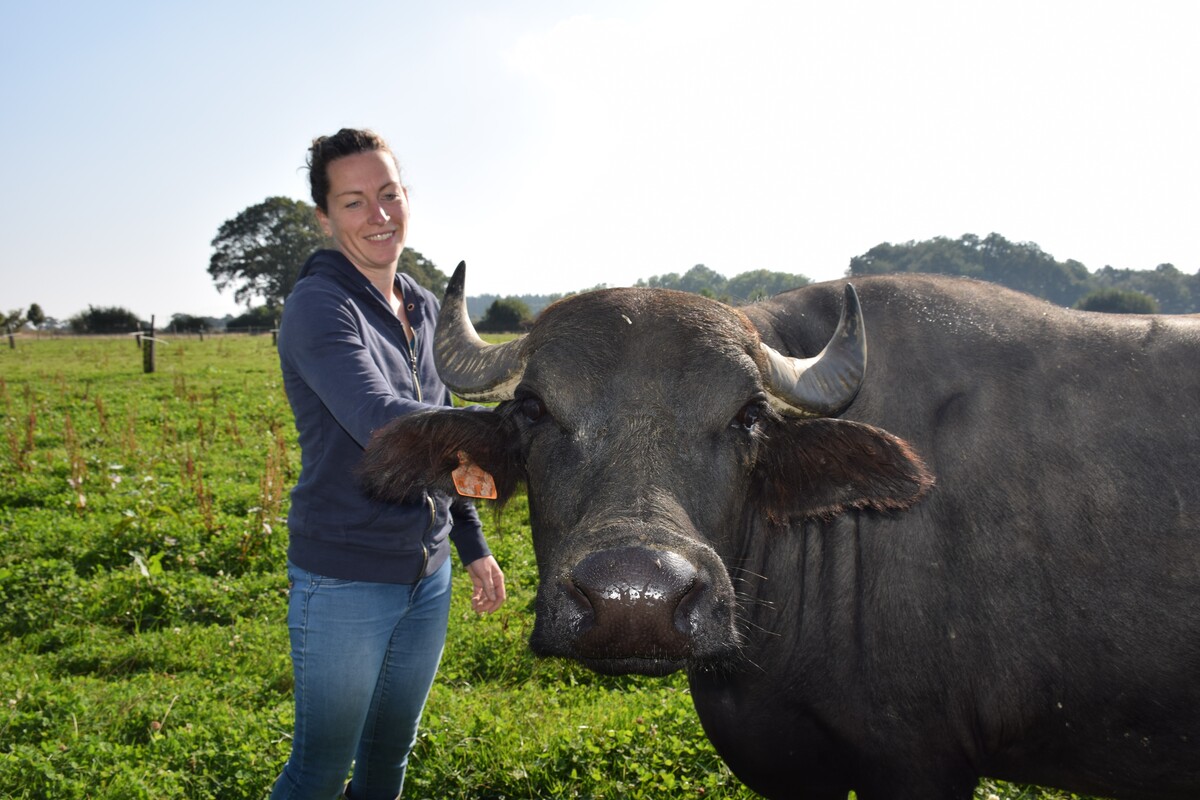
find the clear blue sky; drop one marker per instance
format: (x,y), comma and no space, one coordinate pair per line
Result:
(560,144)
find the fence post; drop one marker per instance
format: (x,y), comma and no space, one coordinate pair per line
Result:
(148,362)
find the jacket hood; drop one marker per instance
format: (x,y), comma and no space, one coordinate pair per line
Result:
(334,264)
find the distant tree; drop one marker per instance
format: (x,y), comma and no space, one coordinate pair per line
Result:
(506,315)
(260,251)
(700,277)
(13,319)
(1175,292)
(760,283)
(1118,301)
(695,280)
(113,319)
(1018,265)
(35,315)
(185,323)
(478,305)
(744,287)
(1027,268)
(668,281)
(259,318)
(423,271)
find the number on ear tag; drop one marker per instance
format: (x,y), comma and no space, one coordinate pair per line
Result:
(472,480)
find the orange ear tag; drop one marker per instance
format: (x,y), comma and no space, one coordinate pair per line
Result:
(472,480)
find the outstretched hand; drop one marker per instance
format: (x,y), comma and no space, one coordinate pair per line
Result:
(487,581)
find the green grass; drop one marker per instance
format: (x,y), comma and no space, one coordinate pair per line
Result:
(143,598)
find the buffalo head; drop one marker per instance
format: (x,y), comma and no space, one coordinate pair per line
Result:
(654,431)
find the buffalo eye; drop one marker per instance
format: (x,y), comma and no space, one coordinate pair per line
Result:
(748,417)
(532,408)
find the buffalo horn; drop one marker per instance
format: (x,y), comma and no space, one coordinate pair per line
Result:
(469,366)
(825,384)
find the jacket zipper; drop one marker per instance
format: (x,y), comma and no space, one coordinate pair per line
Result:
(425,547)
(412,363)
(412,360)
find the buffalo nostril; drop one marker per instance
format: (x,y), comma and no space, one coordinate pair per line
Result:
(577,607)
(684,622)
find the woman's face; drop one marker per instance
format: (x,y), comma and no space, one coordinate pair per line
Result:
(368,210)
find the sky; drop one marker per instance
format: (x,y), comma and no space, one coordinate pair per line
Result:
(558,145)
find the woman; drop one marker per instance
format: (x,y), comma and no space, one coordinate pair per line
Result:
(369,599)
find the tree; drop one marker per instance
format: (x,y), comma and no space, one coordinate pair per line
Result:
(112,319)
(260,251)
(186,323)
(700,277)
(477,305)
(259,318)
(1018,265)
(695,280)
(744,287)
(1118,301)
(35,315)
(506,315)
(13,320)
(423,271)
(1025,267)
(760,283)
(1171,288)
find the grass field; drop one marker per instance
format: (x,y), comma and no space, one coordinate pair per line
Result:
(142,606)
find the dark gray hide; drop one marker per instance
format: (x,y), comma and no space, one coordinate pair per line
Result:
(1034,616)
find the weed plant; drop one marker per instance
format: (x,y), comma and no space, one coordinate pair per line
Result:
(143,601)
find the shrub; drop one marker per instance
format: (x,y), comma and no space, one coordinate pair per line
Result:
(112,319)
(1118,301)
(506,315)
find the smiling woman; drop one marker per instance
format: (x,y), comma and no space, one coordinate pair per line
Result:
(370,581)
(366,214)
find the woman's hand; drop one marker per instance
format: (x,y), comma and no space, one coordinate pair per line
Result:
(488,582)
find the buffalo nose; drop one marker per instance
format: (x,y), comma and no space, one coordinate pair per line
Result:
(634,603)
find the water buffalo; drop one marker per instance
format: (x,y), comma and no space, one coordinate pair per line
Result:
(980,555)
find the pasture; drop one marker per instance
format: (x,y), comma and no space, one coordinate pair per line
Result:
(142,606)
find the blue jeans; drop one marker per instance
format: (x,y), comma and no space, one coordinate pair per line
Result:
(364,656)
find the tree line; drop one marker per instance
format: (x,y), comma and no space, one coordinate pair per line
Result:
(1027,268)
(501,314)
(259,252)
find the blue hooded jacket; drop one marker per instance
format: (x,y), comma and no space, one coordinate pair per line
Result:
(348,371)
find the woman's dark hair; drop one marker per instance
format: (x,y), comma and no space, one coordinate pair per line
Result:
(326,149)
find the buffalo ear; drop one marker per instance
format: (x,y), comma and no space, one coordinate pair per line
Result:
(819,468)
(417,453)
